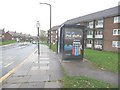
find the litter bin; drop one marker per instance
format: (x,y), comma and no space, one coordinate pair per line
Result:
(70,42)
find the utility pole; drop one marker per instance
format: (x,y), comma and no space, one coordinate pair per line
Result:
(50,19)
(38,26)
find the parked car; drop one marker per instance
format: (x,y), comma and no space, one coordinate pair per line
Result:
(34,42)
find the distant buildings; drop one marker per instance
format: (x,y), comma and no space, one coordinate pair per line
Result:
(13,35)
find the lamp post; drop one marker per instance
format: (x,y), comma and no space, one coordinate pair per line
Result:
(50,20)
(38,26)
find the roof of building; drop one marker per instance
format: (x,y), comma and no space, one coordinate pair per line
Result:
(94,16)
(54,28)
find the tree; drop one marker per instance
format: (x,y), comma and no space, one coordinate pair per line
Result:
(43,37)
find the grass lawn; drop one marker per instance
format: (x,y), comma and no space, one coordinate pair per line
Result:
(103,60)
(7,42)
(83,82)
(100,59)
(53,46)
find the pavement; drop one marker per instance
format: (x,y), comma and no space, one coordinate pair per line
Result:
(45,71)
(42,71)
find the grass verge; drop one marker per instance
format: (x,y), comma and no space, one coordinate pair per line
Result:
(7,42)
(53,46)
(80,81)
(103,60)
(83,82)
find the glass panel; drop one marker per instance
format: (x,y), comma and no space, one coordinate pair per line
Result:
(118,43)
(100,22)
(113,44)
(117,19)
(118,31)
(114,32)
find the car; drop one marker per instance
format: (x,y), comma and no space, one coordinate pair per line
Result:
(34,42)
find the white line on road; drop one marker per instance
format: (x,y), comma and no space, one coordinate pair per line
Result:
(11,71)
(11,57)
(9,64)
(44,58)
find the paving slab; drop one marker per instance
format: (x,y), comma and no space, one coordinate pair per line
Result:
(17,79)
(16,85)
(38,78)
(38,72)
(55,76)
(33,85)
(54,84)
(46,67)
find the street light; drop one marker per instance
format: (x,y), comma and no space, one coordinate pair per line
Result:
(50,20)
(38,26)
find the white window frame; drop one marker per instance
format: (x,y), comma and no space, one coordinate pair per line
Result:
(99,22)
(116,33)
(89,41)
(116,44)
(98,32)
(117,19)
(98,42)
(89,32)
(90,24)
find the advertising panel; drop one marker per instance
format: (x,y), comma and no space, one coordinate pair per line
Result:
(72,42)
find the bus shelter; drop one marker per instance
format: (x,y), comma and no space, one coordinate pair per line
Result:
(70,42)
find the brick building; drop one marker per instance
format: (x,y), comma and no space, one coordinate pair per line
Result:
(7,36)
(103,29)
(53,34)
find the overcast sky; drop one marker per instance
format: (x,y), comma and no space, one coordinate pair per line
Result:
(21,15)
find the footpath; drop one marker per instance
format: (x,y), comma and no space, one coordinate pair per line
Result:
(42,71)
(45,71)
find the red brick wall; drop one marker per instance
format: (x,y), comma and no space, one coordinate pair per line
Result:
(109,25)
(7,36)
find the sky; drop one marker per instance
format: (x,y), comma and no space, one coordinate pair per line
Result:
(22,15)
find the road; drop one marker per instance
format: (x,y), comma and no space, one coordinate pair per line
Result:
(13,55)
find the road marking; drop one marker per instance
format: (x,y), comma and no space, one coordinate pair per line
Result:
(9,64)
(13,70)
(44,58)
(11,57)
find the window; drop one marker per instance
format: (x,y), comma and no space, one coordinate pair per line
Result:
(90,32)
(98,42)
(116,44)
(99,23)
(90,24)
(117,19)
(98,32)
(89,41)
(116,31)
